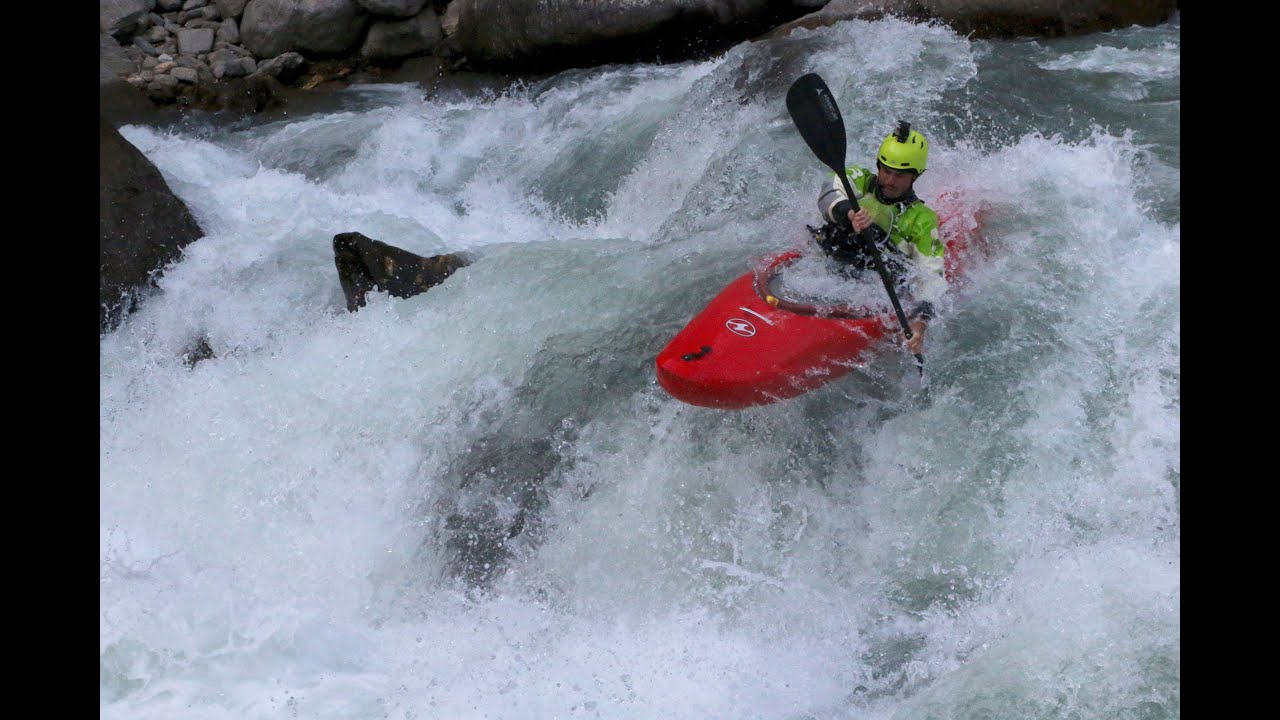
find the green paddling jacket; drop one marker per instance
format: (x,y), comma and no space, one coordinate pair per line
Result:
(911,225)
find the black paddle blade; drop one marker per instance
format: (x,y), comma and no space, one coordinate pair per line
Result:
(814,111)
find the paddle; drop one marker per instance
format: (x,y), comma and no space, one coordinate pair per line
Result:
(813,110)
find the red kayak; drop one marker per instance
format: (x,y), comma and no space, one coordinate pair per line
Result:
(749,347)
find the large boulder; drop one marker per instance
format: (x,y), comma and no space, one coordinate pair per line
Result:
(503,34)
(396,40)
(143,226)
(515,33)
(230,8)
(121,17)
(324,28)
(998,18)
(393,8)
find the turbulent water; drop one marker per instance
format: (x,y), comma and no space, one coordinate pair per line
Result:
(478,503)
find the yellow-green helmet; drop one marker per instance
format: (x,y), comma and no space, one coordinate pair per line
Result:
(904,149)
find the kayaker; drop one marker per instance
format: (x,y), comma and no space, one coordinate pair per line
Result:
(888,208)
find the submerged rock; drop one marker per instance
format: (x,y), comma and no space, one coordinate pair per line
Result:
(365,264)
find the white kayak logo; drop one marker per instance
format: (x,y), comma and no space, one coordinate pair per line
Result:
(738,326)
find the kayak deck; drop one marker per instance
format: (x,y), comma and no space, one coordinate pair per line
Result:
(744,350)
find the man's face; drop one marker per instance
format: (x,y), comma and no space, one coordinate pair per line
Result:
(893,183)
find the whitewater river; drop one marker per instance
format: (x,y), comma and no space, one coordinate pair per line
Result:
(478,502)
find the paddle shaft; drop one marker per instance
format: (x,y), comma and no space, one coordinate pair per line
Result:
(879,261)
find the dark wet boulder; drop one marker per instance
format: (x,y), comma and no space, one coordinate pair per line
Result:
(143,226)
(365,265)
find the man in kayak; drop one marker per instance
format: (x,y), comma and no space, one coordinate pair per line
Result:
(889,214)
